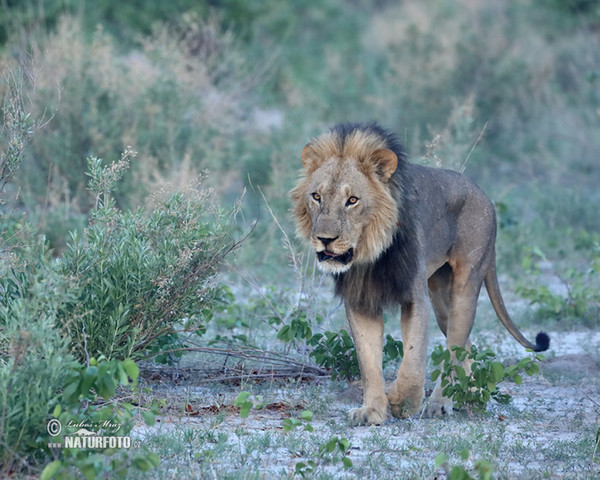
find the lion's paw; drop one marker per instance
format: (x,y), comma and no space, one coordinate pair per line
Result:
(438,407)
(367,416)
(405,402)
(404,409)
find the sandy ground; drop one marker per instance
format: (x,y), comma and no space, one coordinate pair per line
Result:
(547,431)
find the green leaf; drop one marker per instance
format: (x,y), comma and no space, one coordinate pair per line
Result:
(347,462)
(122,374)
(460,372)
(71,392)
(106,387)
(132,369)
(307,415)
(153,459)
(50,470)
(497,372)
(241,398)
(149,417)
(440,459)
(89,377)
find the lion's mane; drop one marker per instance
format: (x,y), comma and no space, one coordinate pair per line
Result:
(390,237)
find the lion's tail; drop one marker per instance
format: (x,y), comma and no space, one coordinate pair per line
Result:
(542,340)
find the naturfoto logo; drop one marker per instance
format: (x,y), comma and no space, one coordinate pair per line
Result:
(83,437)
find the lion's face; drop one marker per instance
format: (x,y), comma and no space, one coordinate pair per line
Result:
(343,205)
(339,204)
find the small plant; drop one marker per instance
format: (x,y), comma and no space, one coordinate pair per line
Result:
(245,403)
(474,391)
(596,446)
(326,453)
(304,421)
(483,468)
(582,300)
(335,350)
(79,407)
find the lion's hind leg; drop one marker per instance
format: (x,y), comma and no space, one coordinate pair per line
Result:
(454,307)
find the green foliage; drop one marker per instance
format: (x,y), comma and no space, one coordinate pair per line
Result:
(138,278)
(597,443)
(333,450)
(244,404)
(476,389)
(16,132)
(483,468)
(79,407)
(334,351)
(33,362)
(582,299)
(326,453)
(292,423)
(297,329)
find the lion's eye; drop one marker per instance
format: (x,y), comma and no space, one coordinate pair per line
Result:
(316,197)
(352,201)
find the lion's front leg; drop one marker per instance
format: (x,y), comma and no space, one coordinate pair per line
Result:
(407,392)
(367,332)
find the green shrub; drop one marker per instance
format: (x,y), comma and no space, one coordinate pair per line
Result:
(33,362)
(474,391)
(137,277)
(334,350)
(84,386)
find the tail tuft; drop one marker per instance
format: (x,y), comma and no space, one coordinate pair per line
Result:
(542,342)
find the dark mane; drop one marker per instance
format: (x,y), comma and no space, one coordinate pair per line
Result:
(370,289)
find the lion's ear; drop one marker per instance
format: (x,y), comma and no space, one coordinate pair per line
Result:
(310,159)
(386,161)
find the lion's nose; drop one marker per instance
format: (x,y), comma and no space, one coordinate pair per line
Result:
(326,241)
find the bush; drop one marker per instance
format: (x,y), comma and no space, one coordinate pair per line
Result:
(33,362)
(79,407)
(180,97)
(137,278)
(476,389)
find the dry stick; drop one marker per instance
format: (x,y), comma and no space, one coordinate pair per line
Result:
(249,353)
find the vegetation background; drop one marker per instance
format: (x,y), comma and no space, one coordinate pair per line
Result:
(229,91)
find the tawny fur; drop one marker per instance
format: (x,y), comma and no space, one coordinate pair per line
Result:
(393,234)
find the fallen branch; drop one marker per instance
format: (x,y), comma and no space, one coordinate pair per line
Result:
(250,363)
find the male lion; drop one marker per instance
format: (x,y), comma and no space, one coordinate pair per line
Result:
(392,234)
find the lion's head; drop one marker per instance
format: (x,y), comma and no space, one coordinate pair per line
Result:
(345,203)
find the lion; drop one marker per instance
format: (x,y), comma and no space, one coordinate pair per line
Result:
(395,234)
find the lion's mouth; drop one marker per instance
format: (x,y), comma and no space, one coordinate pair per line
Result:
(344,258)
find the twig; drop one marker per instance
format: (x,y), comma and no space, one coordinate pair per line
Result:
(464,165)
